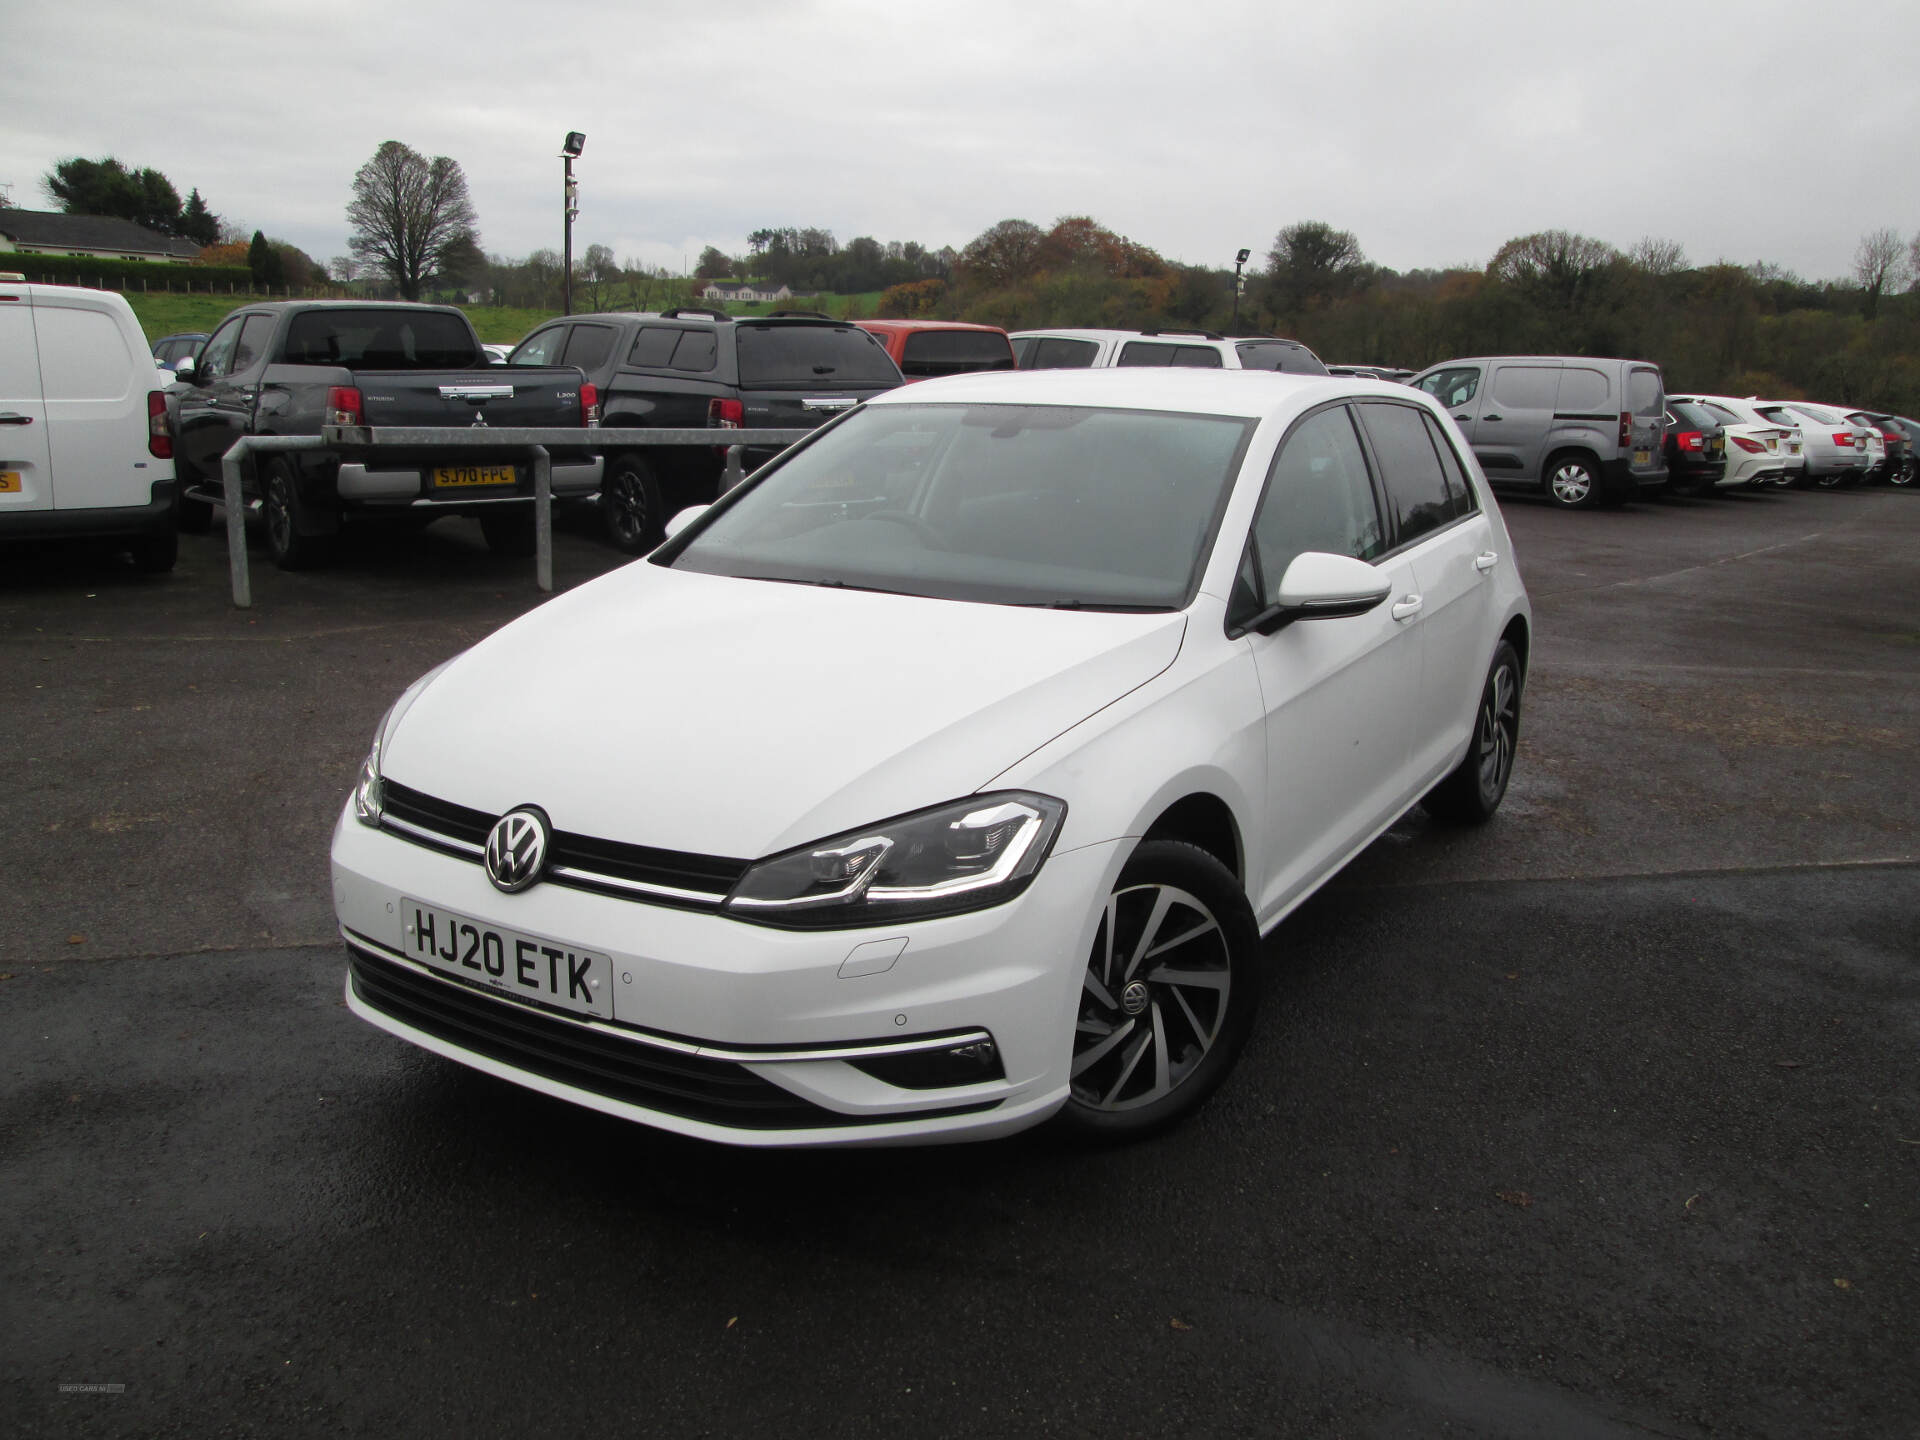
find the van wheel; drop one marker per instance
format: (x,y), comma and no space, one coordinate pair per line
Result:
(1573,482)
(1475,787)
(155,554)
(1168,994)
(285,517)
(509,531)
(631,506)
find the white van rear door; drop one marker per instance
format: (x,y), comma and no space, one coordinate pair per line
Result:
(26,479)
(96,399)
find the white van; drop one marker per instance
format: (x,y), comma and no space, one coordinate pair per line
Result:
(84,446)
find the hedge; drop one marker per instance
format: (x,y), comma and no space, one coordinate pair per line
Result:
(127,274)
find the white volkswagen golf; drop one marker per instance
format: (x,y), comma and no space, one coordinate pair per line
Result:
(945,776)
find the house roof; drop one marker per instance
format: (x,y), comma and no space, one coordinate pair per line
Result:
(89,232)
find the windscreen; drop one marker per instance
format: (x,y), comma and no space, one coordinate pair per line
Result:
(382,340)
(954,352)
(1278,355)
(1074,507)
(811,355)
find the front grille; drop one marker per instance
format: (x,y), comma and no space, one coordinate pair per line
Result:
(584,862)
(693,1087)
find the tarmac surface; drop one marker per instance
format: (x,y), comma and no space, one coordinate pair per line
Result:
(1601,1121)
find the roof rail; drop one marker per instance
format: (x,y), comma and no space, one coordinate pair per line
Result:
(680,310)
(1197,334)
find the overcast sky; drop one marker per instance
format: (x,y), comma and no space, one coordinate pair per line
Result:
(1746,130)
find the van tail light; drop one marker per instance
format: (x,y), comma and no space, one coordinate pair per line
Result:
(1752,447)
(159,438)
(1843,438)
(1626,427)
(726,414)
(344,407)
(1691,440)
(589,404)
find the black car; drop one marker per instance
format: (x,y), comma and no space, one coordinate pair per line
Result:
(1696,448)
(1901,435)
(694,368)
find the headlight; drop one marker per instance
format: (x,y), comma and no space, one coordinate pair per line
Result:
(966,855)
(366,790)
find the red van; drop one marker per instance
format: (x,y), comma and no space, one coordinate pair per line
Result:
(925,348)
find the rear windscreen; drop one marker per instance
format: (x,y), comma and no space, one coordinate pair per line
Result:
(811,355)
(1271,355)
(382,340)
(1697,417)
(954,352)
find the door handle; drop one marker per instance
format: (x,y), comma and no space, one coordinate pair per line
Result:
(1407,607)
(1463,418)
(1489,417)
(1485,561)
(13,417)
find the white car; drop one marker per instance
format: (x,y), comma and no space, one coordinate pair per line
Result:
(1759,451)
(1159,349)
(84,446)
(944,776)
(1836,448)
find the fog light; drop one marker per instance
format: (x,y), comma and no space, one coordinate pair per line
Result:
(937,1068)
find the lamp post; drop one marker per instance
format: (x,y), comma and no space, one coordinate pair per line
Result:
(1239,286)
(570,150)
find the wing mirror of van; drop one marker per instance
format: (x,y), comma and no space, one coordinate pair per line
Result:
(1318,586)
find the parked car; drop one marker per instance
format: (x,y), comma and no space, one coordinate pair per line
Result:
(170,350)
(84,445)
(1884,443)
(292,367)
(694,368)
(1696,449)
(1759,451)
(1908,460)
(1585,431)
(1372,372)
(1836,448)
(1197,349)
(924,349)
(1008,713)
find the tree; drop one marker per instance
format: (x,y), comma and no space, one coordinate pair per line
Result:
(1880,264)
(343,270)
(714,265)
(264,261)
(197,223)
(106,187)
(1002,255)
(1658,257)
(1312,263)
(408,214)
(595,275)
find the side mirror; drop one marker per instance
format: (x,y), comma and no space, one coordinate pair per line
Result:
(183,367)
(1318,586)
(686,517)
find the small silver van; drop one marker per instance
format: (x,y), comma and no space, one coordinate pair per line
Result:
(1586,431)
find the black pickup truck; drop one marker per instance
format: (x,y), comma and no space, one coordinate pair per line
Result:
(692,368)
(289,367)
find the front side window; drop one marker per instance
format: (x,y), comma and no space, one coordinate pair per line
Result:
(1069,506)
(1318,497)
(217,359)
(1453,388)
(1410,470)
(540,348)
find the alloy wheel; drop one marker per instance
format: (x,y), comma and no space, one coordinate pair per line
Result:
(1498,732)
(1154,998)
(628,517)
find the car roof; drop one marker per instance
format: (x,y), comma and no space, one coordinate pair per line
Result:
(1254,394)
(907,327)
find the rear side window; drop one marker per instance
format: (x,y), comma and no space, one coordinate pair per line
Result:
(590,346)
(811,355)
(1458,490)
(1318,498)
(254,337)
(1138,352)
(1277,355)
(1525,387)
(1693,417)
(697,351)
(1584,390)
(383,340)
(1453,388)
(83,356)
(1409,468)
(954,352)
(653,346)
(1051,352)
(1722,414)
(1646,393)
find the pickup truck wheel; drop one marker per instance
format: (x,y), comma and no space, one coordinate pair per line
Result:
(285,516)
(631,504)
(509,531)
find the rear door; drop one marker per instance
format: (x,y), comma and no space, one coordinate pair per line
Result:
(26,470)
(95,378)
(1647,402)
(1510,433)
(798,374)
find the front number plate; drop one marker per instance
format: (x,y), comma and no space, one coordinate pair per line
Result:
(525,967)
(468,477)
(9,482)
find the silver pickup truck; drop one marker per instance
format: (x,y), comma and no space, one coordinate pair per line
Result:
(290,367)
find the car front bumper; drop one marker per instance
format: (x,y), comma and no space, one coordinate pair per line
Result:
(707,1009)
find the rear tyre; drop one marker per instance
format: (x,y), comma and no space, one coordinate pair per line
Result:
(631,506)
(1167,996)
(155,554)
(1474,789)
(1903,475)
(509,531)
(287,520)
(1573,481)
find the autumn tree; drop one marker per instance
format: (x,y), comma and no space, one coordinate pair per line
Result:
(409,214)
(1880,264)
(1002,255)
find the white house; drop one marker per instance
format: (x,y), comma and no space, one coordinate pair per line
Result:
(743,290)
(47,232)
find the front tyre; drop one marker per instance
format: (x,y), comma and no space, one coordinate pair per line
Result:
(1473,790)
(631,505)
(1573,482)
(1168,994)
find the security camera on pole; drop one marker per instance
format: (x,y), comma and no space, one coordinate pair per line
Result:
(569,151)
(1239,287)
